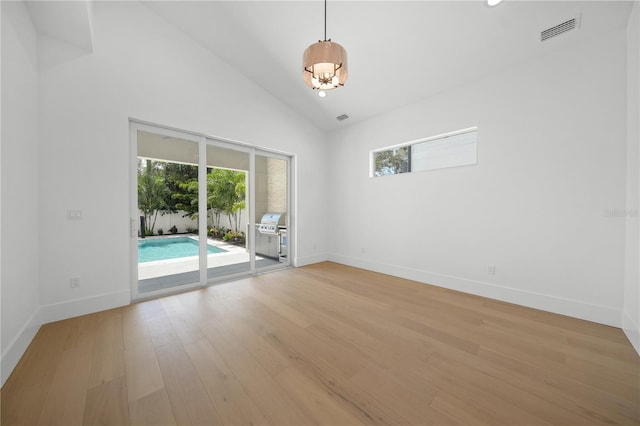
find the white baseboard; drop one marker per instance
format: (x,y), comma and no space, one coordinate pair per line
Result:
(308,260)
(56,312)
(573,308)
(87,305)
(632,330)
(19,345)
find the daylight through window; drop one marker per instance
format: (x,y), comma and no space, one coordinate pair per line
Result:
(450,150)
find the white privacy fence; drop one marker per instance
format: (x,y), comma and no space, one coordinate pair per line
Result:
(182,223)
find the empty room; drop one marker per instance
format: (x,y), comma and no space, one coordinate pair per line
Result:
(320,212)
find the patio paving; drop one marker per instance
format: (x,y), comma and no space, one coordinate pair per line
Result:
(169,273)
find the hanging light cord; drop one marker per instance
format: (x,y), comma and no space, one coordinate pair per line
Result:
(325,20)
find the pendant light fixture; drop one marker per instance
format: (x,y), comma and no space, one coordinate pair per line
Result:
(324,63)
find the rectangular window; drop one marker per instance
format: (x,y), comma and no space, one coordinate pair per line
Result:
(438,152)
(392,161)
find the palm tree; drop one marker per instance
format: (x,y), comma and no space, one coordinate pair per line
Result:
(226,191)
(152,193)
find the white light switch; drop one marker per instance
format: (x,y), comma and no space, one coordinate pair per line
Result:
(74,214)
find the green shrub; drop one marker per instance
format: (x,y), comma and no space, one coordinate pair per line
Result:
(234,237)
(173,229)
(160,231)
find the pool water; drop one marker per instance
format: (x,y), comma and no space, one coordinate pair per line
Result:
(171,248)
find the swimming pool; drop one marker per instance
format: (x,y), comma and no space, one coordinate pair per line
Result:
(171,248)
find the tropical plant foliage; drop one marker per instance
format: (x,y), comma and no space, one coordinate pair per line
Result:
(169,188)
(226,191)
(392,161)
(152,193)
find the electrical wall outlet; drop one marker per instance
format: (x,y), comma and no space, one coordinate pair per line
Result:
(491,269)
(74,282)
(74,214)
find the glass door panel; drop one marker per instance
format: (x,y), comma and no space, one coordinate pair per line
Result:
(204,210)
(228,209)
(271,205)
(167,205)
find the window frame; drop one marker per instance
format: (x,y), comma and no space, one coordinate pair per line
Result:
(372,153)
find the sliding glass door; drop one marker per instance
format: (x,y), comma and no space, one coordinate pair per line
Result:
(167,193)
(200,208)
(271,201)
(227,191)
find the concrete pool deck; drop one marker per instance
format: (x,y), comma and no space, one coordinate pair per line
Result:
(159,268)
(162,274)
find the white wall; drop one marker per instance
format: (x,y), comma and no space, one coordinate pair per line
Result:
(142,68)
(631,315)
(551,162)
(19,259)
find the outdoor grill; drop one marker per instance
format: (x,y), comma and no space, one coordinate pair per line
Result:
(271,223)
(271,238)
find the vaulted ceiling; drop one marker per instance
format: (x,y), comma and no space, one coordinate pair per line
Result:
(399,51)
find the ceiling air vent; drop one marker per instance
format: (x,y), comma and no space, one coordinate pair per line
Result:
(559,29)
(342,117)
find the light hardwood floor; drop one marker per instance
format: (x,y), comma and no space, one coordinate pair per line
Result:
(324,344)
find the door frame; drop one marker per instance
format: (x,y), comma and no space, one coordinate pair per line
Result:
(203,141)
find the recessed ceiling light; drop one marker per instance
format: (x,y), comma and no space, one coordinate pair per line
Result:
(493,2)
(322,93)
